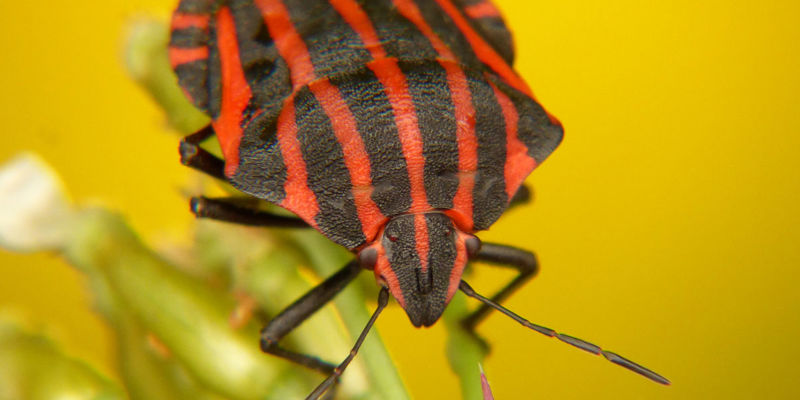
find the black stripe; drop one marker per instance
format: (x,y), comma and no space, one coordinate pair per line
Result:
(493,29)
(489,194)
(427,84)
(497,34)
(328,176)
(214,72)
(197,6)
(192,77)
(188,37)
(449,33)
(266,73)
(441,255)
(464,3)
(402,252)
(333,46)
(399,37)
(261,172)
(256,48)
(367,100)
(404,260)
(534,128)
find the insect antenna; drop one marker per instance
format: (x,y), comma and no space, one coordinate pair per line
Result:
(383,299)
(579,343)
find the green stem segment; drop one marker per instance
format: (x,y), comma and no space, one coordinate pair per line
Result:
(464,351)
(188,317)
(32,367)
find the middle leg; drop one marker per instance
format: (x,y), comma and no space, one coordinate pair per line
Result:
(194,156)
(225,210)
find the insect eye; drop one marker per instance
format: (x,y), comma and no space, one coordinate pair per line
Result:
(392,238)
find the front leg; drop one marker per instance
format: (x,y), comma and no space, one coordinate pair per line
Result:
(294,315)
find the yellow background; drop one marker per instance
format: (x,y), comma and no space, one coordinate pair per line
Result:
(666,223)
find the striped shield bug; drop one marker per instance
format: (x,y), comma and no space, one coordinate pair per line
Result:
(396,128)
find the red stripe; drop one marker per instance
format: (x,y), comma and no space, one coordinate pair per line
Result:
(385,275)
(482,10)
(483,50)
(518,163)
(184,21)
(405,115)
(411,12)
(236,93)
(289,43)
(183,55)
(360,23)
(421,240)
(467,145)
(299,198)
(458,265)
(464,114)
(355,154)
(394,82)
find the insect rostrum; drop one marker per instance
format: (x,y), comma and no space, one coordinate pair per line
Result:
(396,128)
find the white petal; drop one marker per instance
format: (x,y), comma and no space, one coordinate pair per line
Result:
(34,209)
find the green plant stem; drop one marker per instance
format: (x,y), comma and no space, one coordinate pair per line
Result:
(33,368)
(190,318)
(148,375)
(464,351)
(147,63)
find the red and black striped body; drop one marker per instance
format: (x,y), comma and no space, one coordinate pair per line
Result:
(395,127)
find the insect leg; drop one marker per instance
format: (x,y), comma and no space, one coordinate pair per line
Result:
(194,156)
(299,311)
(222,210)
(524,261)
(523,196)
